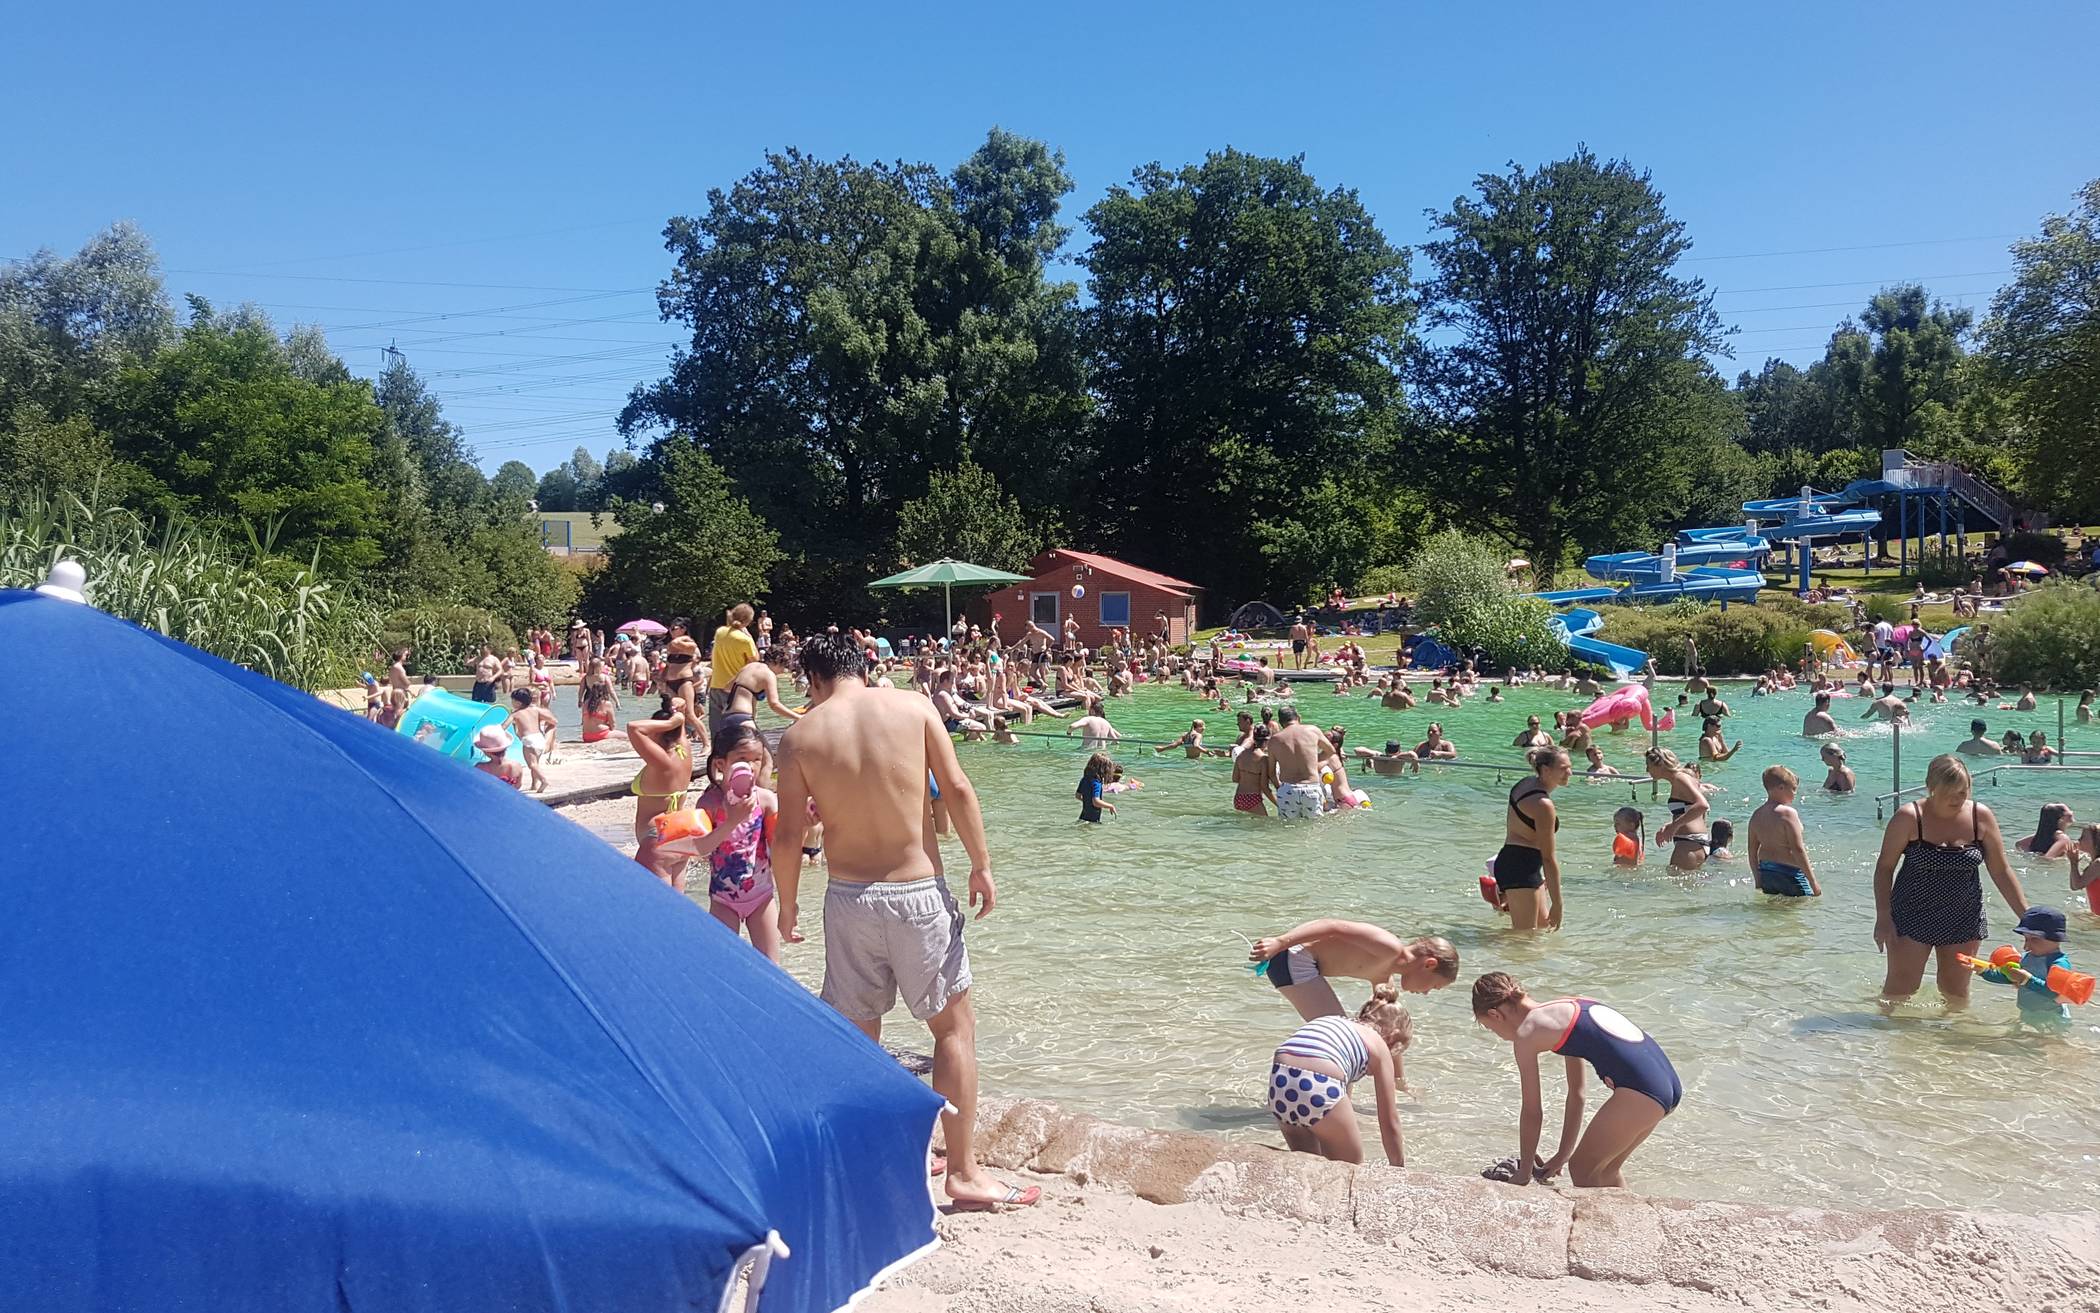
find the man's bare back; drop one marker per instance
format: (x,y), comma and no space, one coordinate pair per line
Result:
(1297,749)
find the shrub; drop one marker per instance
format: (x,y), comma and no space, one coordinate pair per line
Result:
(1936,569)
(1739,641)
(1462,589)
(272,615)
(2051,639)
(447,639)
(1382,579)
(1881,606)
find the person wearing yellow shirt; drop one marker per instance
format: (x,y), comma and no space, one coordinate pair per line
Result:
(734,649)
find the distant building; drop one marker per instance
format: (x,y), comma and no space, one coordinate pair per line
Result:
(576,533)
(1117,595)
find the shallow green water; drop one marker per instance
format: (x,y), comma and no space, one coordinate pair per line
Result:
(1112,977)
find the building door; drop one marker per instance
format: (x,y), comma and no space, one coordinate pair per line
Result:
(1042,609)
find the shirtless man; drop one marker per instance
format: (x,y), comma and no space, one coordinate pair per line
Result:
(1889,707)
(1299,750)
(861,756)
(1819,721)
(1778,850)
(1394,761)
(1303,959)
(1979,743)
(1399,697)
(485,671)
(1301,633)
(1094,726)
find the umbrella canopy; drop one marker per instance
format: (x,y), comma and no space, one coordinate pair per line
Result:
(946,573)
(642,627)
(377,1033)
(2026,567)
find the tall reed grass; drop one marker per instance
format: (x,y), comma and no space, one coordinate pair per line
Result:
(239,602)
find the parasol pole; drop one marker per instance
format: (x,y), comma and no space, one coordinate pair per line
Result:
(948,606)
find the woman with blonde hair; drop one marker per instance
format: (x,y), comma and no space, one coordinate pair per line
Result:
(1928,887)
(1687,830)
(1309,1079)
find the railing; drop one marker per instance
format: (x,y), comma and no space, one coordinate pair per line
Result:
(1945,474)
(1990,773)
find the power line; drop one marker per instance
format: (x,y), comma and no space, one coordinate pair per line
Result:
(1870,246)
(1860,282)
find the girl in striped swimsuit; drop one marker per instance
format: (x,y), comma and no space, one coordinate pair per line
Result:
(1313,1070)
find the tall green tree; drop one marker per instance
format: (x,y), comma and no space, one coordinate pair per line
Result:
(224,431)
(967,515)
(1899,365)
(1786,408)
(704,551)
(855,327)
(2042,341)
(452,483)
(1245,330)
(68,325)
(513,484)
(1560,413)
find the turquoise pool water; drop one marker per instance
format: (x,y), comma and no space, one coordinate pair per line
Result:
(1112,977)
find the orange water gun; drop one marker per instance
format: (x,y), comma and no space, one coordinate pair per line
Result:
(2071,986)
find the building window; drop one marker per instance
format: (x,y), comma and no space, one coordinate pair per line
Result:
(1042,609)
(1115,609)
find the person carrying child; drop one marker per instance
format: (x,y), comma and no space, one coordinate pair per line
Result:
(1093,782)
(1778,849)
(1311,1073)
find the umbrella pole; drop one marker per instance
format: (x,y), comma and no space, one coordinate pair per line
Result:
(948,605)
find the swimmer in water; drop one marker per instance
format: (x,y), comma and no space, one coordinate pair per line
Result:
(1819,721)
(1711,741)
(1841,779)
(1778,848)
(1629,838)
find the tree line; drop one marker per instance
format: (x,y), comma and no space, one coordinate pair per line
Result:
(1260,392)
(1255,389)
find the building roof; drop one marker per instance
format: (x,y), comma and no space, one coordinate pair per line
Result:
(1125,570)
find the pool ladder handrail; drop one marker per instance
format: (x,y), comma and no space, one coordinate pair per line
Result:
(1990,773)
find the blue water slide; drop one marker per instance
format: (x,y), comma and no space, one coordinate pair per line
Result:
(1576,626)
(1830,524)
(1705,583)
(1569,596)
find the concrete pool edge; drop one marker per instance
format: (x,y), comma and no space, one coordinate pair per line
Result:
(1788,1256)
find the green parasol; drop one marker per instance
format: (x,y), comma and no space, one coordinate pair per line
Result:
(947,573)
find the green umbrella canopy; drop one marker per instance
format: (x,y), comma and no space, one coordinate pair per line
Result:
(947,571)
(945,574)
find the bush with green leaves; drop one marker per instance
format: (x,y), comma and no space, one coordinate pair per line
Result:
(1463,590)
(1382,579)
(2043,548)
(1742,640)
(1881,606)
(270,614)
(446,638)
(2050,639)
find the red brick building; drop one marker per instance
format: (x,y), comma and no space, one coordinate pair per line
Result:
(1118,596)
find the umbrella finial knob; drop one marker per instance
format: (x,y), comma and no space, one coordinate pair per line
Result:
(65,582)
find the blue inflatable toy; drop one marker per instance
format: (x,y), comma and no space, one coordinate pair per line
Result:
(449,722)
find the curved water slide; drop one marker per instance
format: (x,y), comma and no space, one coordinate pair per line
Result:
(1808,517)
(1575,627)
(1686,568)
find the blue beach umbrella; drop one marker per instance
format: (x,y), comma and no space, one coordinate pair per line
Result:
(297,1014)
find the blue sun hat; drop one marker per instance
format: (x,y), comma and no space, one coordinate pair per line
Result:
(2045,922)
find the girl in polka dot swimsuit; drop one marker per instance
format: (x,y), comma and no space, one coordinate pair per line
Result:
(1315,1067)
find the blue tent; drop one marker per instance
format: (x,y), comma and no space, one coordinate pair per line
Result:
(297,1014)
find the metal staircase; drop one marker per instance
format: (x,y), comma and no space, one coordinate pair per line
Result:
(1901,469)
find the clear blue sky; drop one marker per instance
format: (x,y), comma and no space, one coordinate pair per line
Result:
(354,166)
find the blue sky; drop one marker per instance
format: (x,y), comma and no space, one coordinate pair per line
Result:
(509,168)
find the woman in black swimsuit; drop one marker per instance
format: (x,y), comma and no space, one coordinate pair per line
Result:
(1528,862)
(1928,890)
(1686,831)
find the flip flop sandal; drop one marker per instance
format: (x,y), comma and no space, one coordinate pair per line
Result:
(1015,1197)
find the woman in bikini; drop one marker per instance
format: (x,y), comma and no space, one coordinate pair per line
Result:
(1528,861)
(599,698)
(666,774)
(1928,886)
(1644,1086)
(1686,832)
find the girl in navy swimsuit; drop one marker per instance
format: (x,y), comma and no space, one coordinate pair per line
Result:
(1644,1086)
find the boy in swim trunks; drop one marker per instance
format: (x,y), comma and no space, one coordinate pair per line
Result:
(1302,960)
(1778,848)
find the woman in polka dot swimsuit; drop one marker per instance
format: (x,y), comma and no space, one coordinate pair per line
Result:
(1315,1067)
